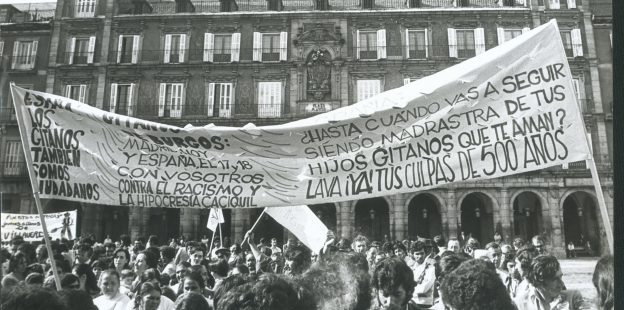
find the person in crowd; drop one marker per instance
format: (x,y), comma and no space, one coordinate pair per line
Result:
(454,246)
(269,292)
(274,247)
(41,254)
(546,289)
(498,238)
(194,282)
(371,254)
(393,285)
(152,241)
(125,241)
(236,256)
(219,271)
(471,245)
(127,277)
(17,270)
(84,252)
(276,264)
(523,259)
(30,297)
(137,247)
(400,251)
(111,298)
(153,275)
(424,276)
(360,244)
(197,254)
(109,251)
(227,285)
(507,251)
(97,267)
(539,244)
(440,242)
(603,280)
(34,278)
(494,253)
(387,249)
(181,270)
(518,243)
(68,281)
(474,285)
(167,254)
(149,297)
(297,260)
(121,258)
(238,269)
(144,260)
(191,301)
(88,281)
(570,253)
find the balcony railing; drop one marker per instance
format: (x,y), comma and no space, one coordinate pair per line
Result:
(81,58)
(23,62)
(29,15)
(13,169)
(82,9)
(148,110)
(7,115)
(215,6)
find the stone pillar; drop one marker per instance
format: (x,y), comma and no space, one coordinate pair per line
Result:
(505,207)
(89,221)
(452,214)
(145,219)
(398,216)
(555,214)
(238,225)
(187,225)
(135,216)
(345,219)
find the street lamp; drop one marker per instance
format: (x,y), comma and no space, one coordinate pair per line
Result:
(424,213)
(527,211)
(579,210)
(372,214)
(477,212)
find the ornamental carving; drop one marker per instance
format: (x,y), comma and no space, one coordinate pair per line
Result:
(318,66)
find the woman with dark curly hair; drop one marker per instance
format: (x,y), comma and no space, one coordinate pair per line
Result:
(475,285)
(88,281)
(191,301)
(603,282)
(393,284)
(546,290)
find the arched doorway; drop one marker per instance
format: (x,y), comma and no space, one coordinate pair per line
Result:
(477,218)
(267,228)
(424,218)
(55,205)
(114,222)
(327,214)
(580,222)
(527,215)
(226,228)
(164,223)
(372,219)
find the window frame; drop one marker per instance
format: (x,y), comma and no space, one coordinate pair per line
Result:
(13,158)
(408,42)
(115,105)
(30,55)
(167,105)
(361,95)
(82,92)
(216,99)
(270,109)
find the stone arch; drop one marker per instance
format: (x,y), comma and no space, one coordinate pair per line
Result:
(326,212)
(528,207)
(476,215)
(424,216)
(582,223)
(372,218)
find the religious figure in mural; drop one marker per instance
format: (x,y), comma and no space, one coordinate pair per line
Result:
(319,74)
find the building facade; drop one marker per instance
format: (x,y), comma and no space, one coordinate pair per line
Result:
(232,62)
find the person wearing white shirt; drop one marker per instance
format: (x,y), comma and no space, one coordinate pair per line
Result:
(150,298)
(112,298)
(424,276)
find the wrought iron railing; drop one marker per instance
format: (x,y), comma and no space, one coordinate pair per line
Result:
(149,110)
(13,169)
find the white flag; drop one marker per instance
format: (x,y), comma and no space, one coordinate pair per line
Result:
(214,218)
(303,223)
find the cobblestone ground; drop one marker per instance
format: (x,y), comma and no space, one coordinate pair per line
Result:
(577,275)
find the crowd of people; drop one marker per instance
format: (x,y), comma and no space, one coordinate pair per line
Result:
(345,274)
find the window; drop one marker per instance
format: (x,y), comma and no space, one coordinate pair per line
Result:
(76,92)
(13,158)
(121,99)
(128,49)
(81,50)
(85,8)
(269,99)
(367,89)
(566,37)
(1,48)
(175,46)
(408,80)
(24,55)
(416,42)
(572,42)
(371,44)
(221,47)
(171,100)
(571,4)
(554,4)
(270,46)
(505,35)
(579,92)
(220,99)
(466,43)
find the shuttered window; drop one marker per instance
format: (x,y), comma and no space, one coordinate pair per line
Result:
(171,100)
(220,100)
(269,99)
(13,158)
(367,89)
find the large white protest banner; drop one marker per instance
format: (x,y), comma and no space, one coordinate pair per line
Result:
(28,226)
(509,110)
(302,223)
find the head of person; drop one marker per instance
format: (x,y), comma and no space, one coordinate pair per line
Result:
(41,253)
(471,245)
(84,252)
(506,252)
(523,259)
(191,301)
(538,243)
(193,282)
(18,263)
(88,281)
(97,266)
(393,283)
(121,258)
(400,251)
(453,245)
(498,238)
(197,255)
(475,285)
(145,260)
(109,282)
(127,276)
(167,254)
(603,280)
(493,252)
(203,270)
(296,260)
(238,269)
(70,281)
(148,296)
(344,245)
(153,241)
(449,261)
(360,244)
(545,275)
(235,249)
(34,278)
(151,275)
(273,242)
(439,241)
(124,240)
(181,270)
(518,243)
(387,249)
(269,292)
(250,262)
(418,252)
(219,269)
(227,285)
(109,248)
(223,253)
(31,297)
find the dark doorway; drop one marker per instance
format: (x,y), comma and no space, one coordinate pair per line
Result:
(424,218)
(527,215)
(327,214)
(372,219)
(164,223)
(581,225)
(114,221)
(477,219)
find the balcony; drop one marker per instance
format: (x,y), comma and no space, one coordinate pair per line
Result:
(13,169)
(23,63)
(147,110)
(216,6)
(76,58)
